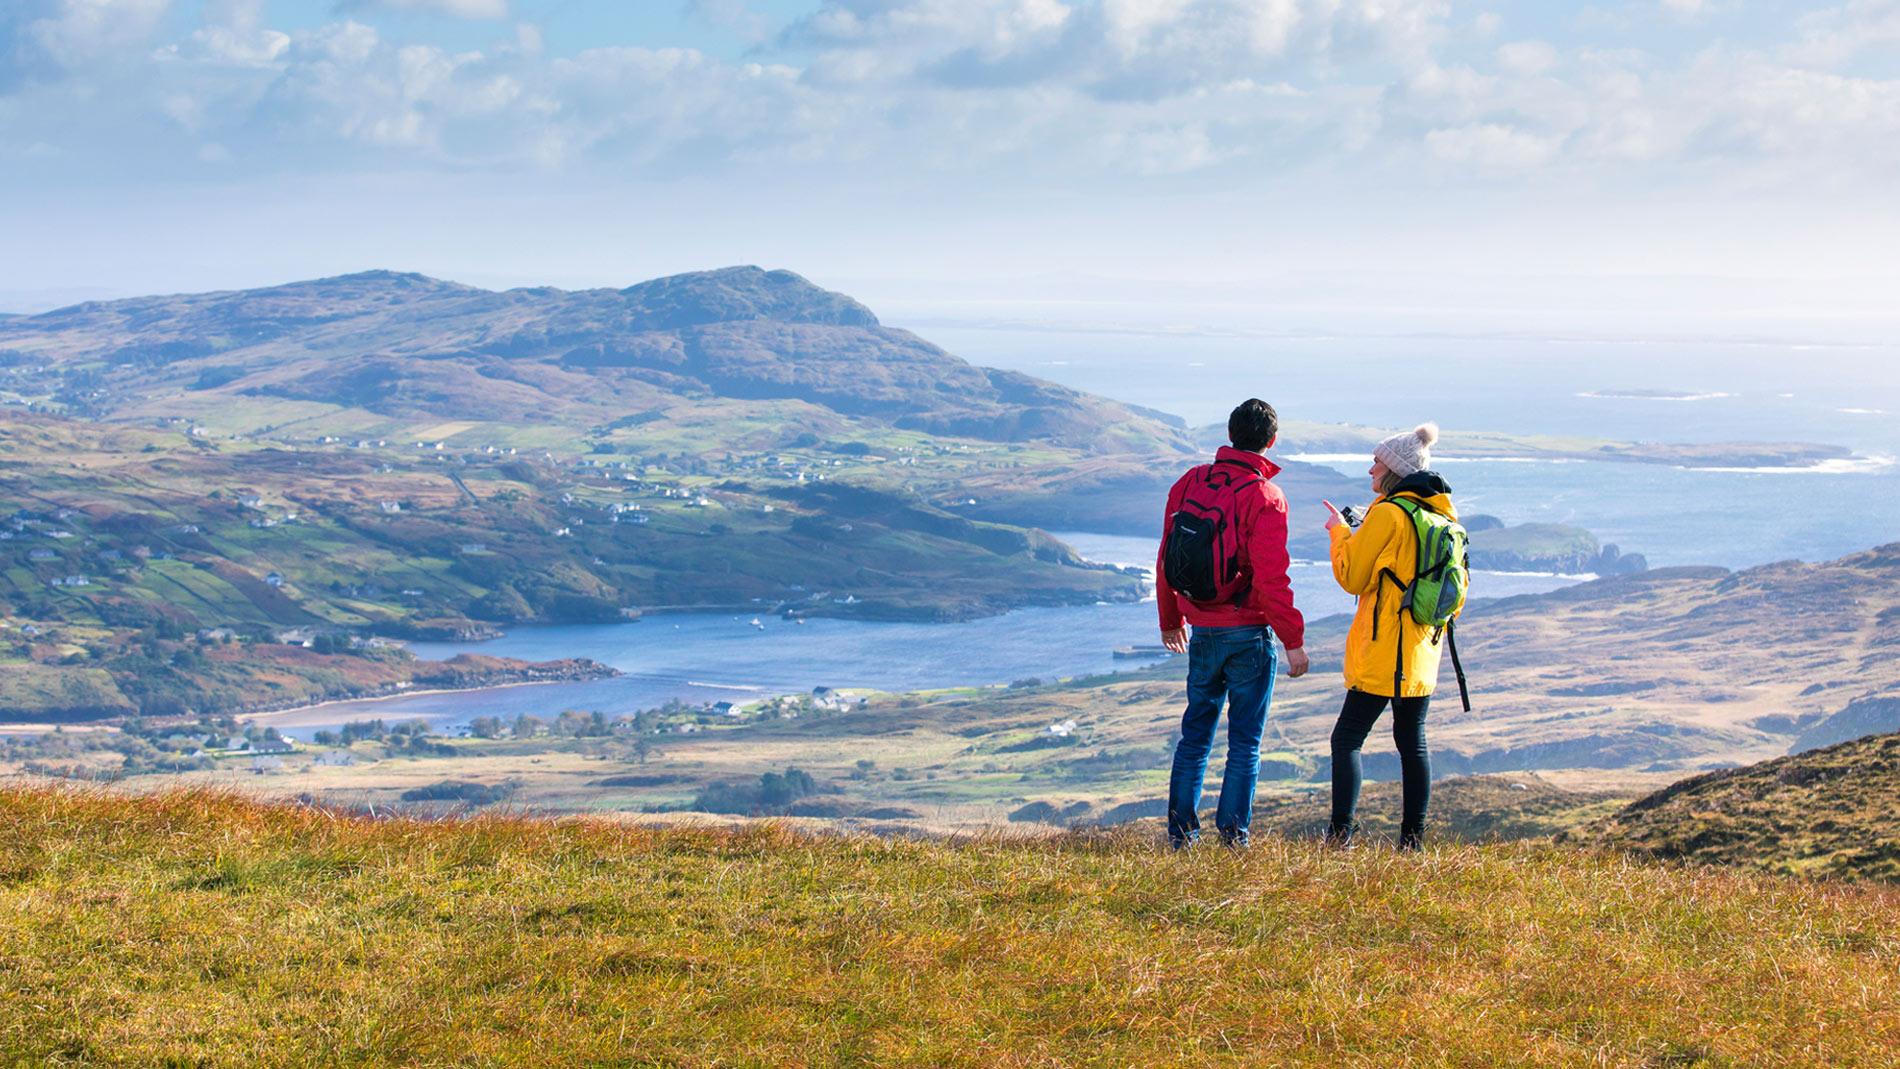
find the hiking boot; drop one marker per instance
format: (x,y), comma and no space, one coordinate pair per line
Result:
(1411,840)
(1341,836)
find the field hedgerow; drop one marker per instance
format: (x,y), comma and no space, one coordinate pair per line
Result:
(196,928)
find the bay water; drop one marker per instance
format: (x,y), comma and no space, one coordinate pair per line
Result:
(1764,390)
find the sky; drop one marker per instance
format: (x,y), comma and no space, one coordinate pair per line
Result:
(1717,168)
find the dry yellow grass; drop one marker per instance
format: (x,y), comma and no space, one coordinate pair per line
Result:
(196,928)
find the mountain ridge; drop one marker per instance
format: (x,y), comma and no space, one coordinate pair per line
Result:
(404,344)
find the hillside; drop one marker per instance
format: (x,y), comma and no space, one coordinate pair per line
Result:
(154,559)
(300,937)
(371,353)
(692,369)
(1824,812)
(1627,683)
(388,455)
(1640,672)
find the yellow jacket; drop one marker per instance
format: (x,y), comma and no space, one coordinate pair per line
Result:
(1387,540)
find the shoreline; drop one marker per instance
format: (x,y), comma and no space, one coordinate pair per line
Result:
(290,717)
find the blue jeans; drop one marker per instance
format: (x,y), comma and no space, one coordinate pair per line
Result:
(1235,665)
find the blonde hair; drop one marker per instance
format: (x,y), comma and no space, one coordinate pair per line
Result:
(1390,482)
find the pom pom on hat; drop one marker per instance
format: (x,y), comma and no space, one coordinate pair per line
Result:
(1427,434)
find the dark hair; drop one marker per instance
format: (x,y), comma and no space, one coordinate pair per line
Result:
(1253,426)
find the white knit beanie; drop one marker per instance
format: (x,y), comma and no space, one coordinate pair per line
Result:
(1408,453)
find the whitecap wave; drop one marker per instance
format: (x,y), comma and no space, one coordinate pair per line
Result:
(1836,466)
(1330,458)
(1361,458)
(1508,460)
(1615,395)
(1861,411)
(724,686)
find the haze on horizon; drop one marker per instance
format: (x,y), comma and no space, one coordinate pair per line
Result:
(1682,168)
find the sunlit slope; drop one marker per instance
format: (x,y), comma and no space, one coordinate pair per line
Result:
(382,353)
(206,930)
(1833,811)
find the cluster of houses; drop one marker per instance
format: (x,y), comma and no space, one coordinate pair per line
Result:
(821,699)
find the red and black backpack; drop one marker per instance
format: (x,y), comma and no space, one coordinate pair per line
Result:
(1202,554)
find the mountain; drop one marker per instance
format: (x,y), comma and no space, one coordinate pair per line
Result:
(391,347)
(389,454)
(1824,812)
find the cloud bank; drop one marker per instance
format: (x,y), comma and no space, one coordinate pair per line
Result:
(1085,90)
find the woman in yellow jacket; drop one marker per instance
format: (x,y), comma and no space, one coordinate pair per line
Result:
(1389,657)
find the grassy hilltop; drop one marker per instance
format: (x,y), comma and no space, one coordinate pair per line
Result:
(1826,812)
(201,929)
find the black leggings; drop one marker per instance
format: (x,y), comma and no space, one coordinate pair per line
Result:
(1415,763)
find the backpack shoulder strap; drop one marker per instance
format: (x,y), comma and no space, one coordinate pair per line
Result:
(1253,475)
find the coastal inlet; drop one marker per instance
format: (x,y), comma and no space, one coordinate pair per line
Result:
(701,658)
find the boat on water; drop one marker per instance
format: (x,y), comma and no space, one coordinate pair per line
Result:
(756,622)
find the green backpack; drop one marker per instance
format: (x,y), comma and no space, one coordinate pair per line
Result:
(1440,583)
(1444,568)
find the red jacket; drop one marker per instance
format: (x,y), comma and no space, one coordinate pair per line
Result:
(1261,516)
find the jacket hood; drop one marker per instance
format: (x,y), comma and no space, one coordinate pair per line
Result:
(1267,468)
(1429,488)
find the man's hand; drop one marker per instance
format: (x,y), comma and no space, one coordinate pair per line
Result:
(1175,640)
(1334,518)
(1296,663)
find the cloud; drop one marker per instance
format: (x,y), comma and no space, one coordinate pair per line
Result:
(1836,35)
(43,40)
(1036,90)
(1119,49)
(734,16)
(233,34)
(1492,146)
(461,9)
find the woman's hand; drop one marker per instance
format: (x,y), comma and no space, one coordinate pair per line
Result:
(1334,518)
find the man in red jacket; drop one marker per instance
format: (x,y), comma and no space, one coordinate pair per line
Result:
(1230,518)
